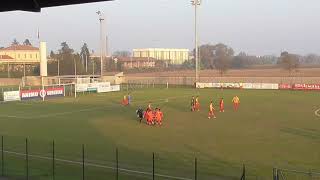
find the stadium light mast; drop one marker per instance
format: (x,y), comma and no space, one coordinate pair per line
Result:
(196,3)
(101,18)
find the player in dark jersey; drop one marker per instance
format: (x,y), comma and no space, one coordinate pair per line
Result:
(193,101)
(140,113)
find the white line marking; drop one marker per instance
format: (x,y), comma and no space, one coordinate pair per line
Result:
(317,112)
(97,165)
(90,109)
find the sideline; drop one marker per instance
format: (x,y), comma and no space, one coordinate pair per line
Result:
(155,101)
(126,170)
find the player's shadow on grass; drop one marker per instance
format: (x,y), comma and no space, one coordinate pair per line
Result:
(306,133)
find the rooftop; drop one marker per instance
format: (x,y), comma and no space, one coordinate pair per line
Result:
(20,48)
(161,49)
(5,57)
(129,59)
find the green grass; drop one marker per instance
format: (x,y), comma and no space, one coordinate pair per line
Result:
(271,129)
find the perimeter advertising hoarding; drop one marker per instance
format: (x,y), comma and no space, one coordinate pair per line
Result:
(93,87)
(41,93)
(306,87)
(239,85)
(11,96)
(285,86)
(219,85)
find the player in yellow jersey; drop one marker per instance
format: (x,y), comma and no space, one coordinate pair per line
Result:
(236,103)
(211,111)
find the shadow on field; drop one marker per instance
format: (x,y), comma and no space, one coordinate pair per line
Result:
(313,134)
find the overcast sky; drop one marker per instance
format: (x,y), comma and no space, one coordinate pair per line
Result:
(254,26)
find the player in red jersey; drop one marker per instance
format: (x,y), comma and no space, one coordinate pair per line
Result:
(197,104)
(211,111)
(236,103)
(159,116)
(221,105)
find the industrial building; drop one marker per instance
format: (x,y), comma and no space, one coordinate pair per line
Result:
(173,56)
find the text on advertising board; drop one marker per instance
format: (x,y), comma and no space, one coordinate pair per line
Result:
(34,94)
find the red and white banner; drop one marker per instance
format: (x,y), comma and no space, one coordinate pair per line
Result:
(285,86)
(39,94)
(306,87)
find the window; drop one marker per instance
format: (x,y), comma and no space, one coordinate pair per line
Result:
(25,56)
(30,55)
(18,55)
(36,56)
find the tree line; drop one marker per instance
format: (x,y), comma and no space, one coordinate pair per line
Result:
(68,62)
(222,57)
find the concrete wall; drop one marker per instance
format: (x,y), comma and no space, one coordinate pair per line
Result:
(10,81)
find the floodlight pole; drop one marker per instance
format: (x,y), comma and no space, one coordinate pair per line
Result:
(196,3)
(101,42)
(86,62)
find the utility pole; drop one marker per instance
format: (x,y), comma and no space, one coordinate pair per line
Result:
(196,3)
(75,67)
(58,67)
(101,18)
(86,62)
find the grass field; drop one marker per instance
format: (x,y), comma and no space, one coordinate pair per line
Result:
(271,129)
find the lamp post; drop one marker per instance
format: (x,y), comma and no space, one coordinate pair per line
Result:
(75,67)
(101,41)
(196,3)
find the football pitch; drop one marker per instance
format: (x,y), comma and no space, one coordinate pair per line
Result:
(271,129)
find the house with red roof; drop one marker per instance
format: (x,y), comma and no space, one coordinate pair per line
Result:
(20,54)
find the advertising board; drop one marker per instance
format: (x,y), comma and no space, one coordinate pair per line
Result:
(93,87)
(306,87)
(41,93)
(115,88)
(285,86)
(82,87)
(11,96)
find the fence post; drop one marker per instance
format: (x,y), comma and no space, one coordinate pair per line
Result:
(27,160)
(117,164)
(82,161)
(53,161)
(2,157)
(243,177)
(195,169)
(152,166)
(276,176)
(310,174)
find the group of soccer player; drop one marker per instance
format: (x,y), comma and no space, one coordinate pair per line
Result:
(195,106)
(152,117)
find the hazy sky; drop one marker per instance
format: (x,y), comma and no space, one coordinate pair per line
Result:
(254,26)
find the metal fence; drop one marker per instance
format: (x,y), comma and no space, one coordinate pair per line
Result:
(30,159)
(287,174)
